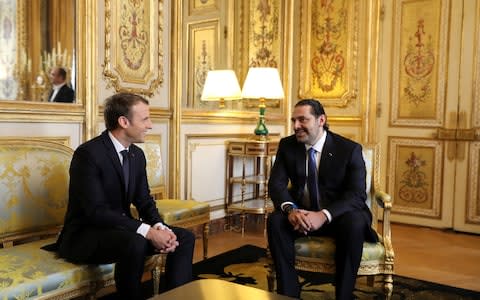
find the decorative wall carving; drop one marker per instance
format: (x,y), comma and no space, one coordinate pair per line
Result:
(417,183)
(133,53)
(329,51)
(419,70)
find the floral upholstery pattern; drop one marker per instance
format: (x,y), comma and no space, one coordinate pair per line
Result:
(173,210)
(27,271)
(153,156)
(33,187)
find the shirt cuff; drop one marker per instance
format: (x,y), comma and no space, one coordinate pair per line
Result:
(327,213)
(282,206)
(161,226)
(143,229)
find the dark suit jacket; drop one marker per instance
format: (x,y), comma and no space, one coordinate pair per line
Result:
(96,194)
(342,174)
(65,94)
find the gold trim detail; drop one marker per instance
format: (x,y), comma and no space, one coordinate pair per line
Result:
(130,61)
(473,205)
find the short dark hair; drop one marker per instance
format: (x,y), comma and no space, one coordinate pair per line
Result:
(119,105)
(62,72)
(316,109)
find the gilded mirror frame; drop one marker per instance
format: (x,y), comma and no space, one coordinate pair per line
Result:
(26,109)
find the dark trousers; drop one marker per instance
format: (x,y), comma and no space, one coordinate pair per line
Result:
(348,232)
(128,251)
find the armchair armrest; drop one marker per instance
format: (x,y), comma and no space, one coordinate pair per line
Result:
(384,200)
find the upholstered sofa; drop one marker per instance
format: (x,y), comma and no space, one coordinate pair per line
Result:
(33,199)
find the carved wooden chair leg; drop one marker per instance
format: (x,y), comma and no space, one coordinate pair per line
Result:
(206,229)
(388,286)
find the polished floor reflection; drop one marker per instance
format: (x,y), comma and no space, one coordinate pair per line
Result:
(434,255)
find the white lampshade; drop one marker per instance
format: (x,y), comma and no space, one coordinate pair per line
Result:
(221,85)
(263,83)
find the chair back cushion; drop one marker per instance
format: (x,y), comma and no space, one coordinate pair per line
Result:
(34,183)
(155,171)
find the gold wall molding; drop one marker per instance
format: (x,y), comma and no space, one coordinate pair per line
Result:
(329,51)
(473,195)
(133,53)
(420,63)
(38,140)
(417,180)
(476,78)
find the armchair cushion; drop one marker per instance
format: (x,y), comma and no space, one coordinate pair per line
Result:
(323,249)
(173,210)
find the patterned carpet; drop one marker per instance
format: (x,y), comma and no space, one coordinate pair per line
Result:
(246,265)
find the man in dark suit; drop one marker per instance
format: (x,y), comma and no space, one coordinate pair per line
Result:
(104,182)
(61,92)
(326,197)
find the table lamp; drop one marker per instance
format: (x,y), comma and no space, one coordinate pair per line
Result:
(262,83)
(221,85)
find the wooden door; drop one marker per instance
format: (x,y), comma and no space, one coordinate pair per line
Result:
(429,111)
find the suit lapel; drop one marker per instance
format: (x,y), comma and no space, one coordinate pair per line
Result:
(300,162)
(326,157)
(113,156)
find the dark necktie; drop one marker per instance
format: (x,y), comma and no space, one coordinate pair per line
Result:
(126,168)
(312,179)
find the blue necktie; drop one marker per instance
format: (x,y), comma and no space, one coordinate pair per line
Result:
(312,180)
(126,168)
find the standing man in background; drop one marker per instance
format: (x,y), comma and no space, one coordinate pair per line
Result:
(317,185)
(107,175)
(61,92)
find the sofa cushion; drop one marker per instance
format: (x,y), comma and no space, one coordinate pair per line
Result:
(28,271)
(173,210)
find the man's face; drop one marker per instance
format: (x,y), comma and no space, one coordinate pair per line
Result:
(138,124)
(307,128)
(55,77)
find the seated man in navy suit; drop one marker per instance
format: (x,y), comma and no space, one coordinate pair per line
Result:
(317,185)
(61,92)
(107,175)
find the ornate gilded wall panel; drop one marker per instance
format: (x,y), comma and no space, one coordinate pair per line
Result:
(263,29)
(329,51)
(203,45)
(416,178)
(202,6)
(133,45)
(473,196)
(476,83)
(420,62)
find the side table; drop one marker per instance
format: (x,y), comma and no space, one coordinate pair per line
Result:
(248,167)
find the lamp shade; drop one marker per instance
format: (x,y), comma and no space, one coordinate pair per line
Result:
(221,85)
(263,83)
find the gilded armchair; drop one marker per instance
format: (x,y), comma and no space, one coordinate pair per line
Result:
(316,254)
